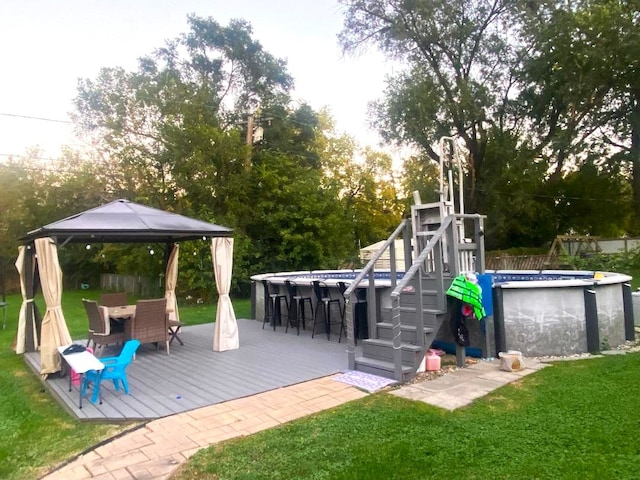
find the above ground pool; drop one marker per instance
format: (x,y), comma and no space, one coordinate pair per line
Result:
(539,313)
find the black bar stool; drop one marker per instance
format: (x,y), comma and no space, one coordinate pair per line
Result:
(323,296)
(296,306)
(360,325)
(273,306)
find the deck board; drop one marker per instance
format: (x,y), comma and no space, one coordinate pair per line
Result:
(194,376)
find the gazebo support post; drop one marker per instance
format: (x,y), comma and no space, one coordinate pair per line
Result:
(29,334)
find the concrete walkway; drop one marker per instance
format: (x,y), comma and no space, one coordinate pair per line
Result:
(156,449)
(462,386)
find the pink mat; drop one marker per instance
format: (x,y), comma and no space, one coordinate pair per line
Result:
(365,381)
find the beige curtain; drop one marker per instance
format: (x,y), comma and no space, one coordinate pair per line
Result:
(171,279)
(54,328)
(226,330)
(22,317)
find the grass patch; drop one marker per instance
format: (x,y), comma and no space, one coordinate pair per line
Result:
(572,420)
(35,432)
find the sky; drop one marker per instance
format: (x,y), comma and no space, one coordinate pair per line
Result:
(47,45)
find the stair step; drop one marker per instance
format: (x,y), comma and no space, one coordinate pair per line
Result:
(424,292)
(408,316)
(389,343)
(430,302)
(382,349)
(404,327)
(408,333)
(383,368)
(411,309)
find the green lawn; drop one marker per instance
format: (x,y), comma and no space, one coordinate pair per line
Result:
(574,420)
(35,432)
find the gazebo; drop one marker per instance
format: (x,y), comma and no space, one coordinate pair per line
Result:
(120,221)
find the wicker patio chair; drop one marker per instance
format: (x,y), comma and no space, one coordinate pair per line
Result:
(150,324)
(100,326)
(174,327)
(116,299)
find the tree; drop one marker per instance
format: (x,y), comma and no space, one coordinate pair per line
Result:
(14,184)
(368,192)
(563,85)
(175,119)
(366,186)
(180,126)
(175,125)
(34,193)
(580,87)
(293,216)
(551,83)
(595,200)
(294,222)
(520,210)
(422,175)
(619,22)
(459,57)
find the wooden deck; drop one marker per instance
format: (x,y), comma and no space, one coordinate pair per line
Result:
(194,376)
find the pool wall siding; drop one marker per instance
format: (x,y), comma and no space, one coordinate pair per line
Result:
(545,321)
(549,318)
(610,315)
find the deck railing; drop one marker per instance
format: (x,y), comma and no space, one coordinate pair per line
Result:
(466,254)
(368,272)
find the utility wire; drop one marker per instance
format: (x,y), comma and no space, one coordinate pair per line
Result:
(51,170)
(28,157)
(28,117)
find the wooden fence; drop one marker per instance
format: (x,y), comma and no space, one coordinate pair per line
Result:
(136,285)
(526,262)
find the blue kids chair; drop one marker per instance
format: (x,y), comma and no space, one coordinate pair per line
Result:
(114,369)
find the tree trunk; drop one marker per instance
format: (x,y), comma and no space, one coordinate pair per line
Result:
(634,155)
(477,148)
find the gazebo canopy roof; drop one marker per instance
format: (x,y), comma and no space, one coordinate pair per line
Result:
(122,221)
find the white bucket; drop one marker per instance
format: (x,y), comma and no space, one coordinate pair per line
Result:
(511,361)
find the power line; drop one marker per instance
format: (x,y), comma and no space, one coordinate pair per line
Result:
(28,117)
(504,194)
(28,157)
(49,169)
